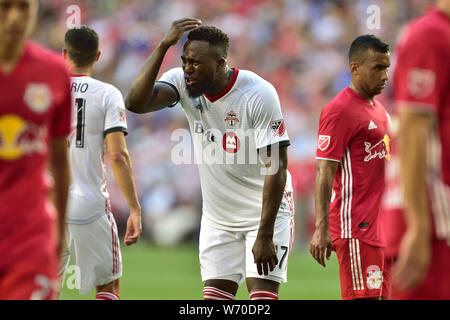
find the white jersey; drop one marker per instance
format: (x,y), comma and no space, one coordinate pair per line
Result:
(97,109)
(228,130)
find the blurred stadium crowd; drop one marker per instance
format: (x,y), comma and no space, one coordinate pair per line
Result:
(300,46)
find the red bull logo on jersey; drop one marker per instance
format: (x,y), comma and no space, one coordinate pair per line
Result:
(38,97)
(19,138)
(379,150)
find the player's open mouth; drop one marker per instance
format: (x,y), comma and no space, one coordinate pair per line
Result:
(190,82)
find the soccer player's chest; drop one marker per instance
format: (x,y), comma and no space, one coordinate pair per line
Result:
(25,111)
(371,143)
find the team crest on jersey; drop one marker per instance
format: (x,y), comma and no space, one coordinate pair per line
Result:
(421,82)
(277,127)
(231,118)
(38,97)
(374,277)
(323,142)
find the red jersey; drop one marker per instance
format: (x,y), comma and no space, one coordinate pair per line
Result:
(35,107)
(353,132)
(422,83)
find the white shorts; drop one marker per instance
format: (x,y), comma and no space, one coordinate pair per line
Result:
(226,254)
(95,251)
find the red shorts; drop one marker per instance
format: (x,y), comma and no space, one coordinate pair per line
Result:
(361,270)
(436,285)
(30,279)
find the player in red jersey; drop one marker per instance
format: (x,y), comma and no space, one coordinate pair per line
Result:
(352,147)
(34,122)
(422,99)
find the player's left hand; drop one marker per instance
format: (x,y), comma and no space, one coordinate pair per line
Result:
(265,255)
(134,229)
(413,260)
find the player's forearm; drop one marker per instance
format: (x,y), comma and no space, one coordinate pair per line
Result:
(323,191)
(123,173)
(141,92)
(272,197)
(414,130)
(60,171)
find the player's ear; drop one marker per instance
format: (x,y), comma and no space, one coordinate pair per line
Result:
(354,68)
(99,53)
(64,53)
(221,63)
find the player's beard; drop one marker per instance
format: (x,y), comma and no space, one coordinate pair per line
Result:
(200,87)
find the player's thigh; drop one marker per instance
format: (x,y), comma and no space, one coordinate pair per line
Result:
(95,250)
(34,278)
(221,254)
(361,268)
(282,239)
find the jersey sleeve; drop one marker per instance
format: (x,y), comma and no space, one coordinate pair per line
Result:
(60,125)
(268,122)
(175,79)
(334,135)
(115,117)
(422,72)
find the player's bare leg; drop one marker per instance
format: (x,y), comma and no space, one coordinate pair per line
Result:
(262,289)
(104,292)
(219,289)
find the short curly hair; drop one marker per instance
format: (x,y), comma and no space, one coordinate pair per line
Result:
(214,36)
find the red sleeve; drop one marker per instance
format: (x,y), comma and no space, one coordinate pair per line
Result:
(60,126)
(421,72)
(334,134)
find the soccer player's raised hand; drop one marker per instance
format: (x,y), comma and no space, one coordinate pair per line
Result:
(321,244)
(134,228)
(179,27)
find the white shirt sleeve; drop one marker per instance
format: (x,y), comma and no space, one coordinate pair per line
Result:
(174,78)
(267,119)
(115,118)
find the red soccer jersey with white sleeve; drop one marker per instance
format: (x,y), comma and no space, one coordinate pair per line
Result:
(34,108)
(422,84)
(353,132)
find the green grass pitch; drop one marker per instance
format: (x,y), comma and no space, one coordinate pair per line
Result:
(161,273)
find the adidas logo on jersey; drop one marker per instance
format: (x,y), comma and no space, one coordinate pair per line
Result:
(372,125)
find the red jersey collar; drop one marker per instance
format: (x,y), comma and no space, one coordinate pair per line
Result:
(227,89)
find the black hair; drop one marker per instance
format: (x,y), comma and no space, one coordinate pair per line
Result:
(362,44)
(214,36)
(82,45)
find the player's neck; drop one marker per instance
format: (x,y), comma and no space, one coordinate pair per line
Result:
(222,82)
(84,71)
(10,55)
(362,93)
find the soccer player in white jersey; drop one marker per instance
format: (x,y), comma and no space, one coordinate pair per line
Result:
(98,117)
(247,222)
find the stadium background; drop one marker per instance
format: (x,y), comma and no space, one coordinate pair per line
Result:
(300,46)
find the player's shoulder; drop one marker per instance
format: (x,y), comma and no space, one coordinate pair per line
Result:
(340,104)
(45,57)
(430,28)
(255,87)
(97,86)
(249,79)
